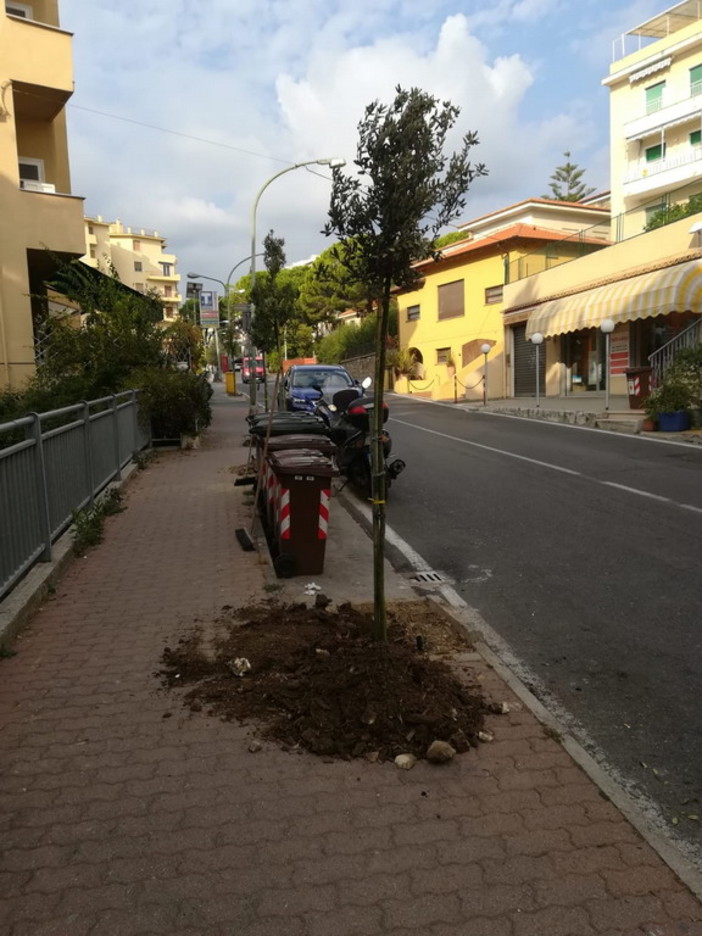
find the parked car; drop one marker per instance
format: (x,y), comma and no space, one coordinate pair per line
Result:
(246,369)
(306,383)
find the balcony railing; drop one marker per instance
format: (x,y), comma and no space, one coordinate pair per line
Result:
(642,169)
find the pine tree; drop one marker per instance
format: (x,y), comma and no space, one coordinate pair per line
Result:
(566,182)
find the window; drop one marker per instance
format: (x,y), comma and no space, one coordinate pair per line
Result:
(31,169)
(493,294)
(451,300)
(91,229)
(93,251)
(443,355)
(166,269)
(412,313)
(136,246)
(138,266)
(20,9)
(696,138)
(654,97)
(696,80)
(168,291)
(655,152)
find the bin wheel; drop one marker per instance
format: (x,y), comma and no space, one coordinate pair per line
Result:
(284,565)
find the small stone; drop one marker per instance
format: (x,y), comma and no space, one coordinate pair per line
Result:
(485,737)
(320,651)
(499,708)
(255,747)
(196,705)
(371,757)
(405,761)
(440,752)
(321,601)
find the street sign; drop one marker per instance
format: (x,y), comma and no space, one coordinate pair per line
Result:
(209,309)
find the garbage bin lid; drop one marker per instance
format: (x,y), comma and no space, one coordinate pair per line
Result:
(302,461)
(301,441)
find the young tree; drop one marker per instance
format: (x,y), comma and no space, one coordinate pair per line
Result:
(566,182)
(387,217)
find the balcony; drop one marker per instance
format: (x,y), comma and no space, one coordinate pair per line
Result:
(669,114)
(661,175)
(38,58)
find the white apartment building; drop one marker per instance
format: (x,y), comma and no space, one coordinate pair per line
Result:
(655,84)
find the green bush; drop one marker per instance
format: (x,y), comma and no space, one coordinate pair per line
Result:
(175,402)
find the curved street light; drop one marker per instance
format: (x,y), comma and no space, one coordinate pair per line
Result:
(332,163)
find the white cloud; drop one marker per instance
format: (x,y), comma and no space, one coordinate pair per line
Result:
(281,81)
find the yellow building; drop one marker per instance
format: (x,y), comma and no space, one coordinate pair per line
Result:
(457,309)
(138,256)
(655,88)
(37,210)
(648,287)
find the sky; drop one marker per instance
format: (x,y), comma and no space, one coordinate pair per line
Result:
(184,109)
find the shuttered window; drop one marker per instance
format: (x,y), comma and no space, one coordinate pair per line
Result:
(493,294)
(696,80)
(412,313)
(655,152)
(696,138)
(443,355)
(451,303)
(654,97)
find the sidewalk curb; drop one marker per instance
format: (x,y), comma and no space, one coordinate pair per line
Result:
(480,633)
(33,590)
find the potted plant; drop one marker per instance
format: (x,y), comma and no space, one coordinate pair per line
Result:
(671,404)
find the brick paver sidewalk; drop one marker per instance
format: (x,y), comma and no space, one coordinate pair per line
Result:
(115,820)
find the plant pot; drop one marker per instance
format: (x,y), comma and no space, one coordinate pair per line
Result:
(648,425)
(674,422)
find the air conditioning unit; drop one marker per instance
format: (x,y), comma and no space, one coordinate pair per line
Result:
(32,185)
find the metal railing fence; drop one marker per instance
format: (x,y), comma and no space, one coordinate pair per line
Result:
(57,463)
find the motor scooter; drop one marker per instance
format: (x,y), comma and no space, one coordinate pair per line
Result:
(349,419)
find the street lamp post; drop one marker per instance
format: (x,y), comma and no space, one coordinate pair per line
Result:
(485,348)
(226,286)
(333,163)
(607,327)
(537,339)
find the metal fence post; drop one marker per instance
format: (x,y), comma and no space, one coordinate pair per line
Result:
(135,426)
(41,486)
(88,446)
(115,430)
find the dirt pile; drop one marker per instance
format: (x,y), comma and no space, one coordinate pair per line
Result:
(313,678)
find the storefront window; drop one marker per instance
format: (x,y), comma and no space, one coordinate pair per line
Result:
(584,356)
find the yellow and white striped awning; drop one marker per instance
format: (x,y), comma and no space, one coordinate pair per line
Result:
(673,289)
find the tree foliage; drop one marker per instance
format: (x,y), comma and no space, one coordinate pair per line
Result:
(675,213)
(330,287)
(566,182)
(274,295)
(387,216)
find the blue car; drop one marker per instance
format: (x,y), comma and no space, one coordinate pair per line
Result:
(306,383)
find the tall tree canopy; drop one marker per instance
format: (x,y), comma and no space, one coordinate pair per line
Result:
(274,295)
(387,216)
(566,182)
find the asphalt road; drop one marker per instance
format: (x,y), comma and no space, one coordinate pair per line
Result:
(583,551)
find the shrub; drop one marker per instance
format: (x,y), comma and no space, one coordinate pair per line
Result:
(175,402)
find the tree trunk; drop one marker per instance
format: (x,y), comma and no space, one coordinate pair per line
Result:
(378,474)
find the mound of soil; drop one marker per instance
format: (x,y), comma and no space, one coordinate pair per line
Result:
(317,680)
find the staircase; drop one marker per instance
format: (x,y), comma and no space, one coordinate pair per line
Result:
(661,359)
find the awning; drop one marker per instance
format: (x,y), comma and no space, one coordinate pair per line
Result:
(673,289)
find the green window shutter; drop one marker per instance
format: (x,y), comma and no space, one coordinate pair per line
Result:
(654,97)
(696,80)
(655,152)
(696,138)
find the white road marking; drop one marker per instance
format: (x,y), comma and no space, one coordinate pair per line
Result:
(551,466)
(489,448)
(631,490)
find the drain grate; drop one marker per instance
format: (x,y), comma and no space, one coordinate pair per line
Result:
(427,577)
